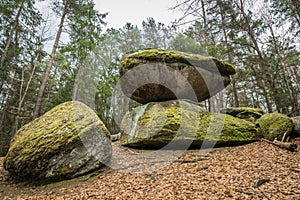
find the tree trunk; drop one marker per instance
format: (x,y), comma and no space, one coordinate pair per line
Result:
(22,98)
(266,95)
(260,59)
(235,93)
(296,4)
(47,73)
(229,55)
(6,106)
(10,36)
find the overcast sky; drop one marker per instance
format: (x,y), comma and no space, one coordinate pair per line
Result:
(135,11)
(119,13)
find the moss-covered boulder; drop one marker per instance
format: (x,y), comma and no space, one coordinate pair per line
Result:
(155,75)
(67,141)
(274,125)
(155,125)
(247,113)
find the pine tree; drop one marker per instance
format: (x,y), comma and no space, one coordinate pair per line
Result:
(21,51)
(37,107)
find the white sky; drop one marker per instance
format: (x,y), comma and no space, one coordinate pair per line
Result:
(119,13)
(135,11)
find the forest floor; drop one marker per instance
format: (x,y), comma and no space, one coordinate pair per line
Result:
(253,171)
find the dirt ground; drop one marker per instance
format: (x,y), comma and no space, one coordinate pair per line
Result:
(254,171)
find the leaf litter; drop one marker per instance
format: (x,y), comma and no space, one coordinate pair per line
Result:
(254,171)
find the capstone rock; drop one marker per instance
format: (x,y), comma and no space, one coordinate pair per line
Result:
(155,75)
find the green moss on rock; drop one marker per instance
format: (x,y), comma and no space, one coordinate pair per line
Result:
(44,148)
(168,56)
(247,113)
(179,121)
(274,125)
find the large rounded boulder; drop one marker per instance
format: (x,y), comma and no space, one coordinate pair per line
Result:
(182,124)
(67,141)
(155,75)
(275,125)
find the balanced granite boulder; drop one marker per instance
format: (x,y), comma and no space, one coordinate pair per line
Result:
(67,141)
(247,113)
(155,75)
(274,125)
(177,123)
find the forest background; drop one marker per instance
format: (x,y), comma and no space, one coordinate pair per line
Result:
(261,38)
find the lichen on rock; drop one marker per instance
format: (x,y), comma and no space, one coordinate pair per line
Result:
(55,146)
(180,122)
(274,125)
